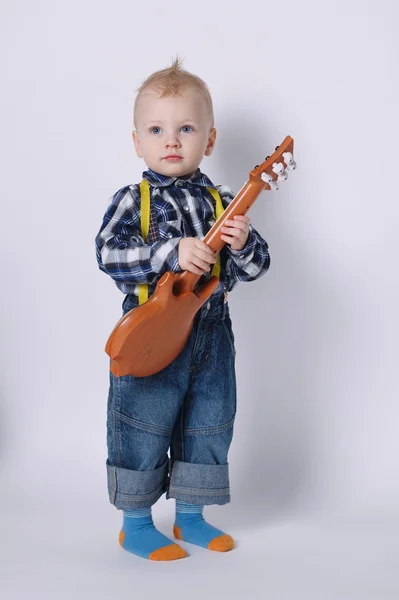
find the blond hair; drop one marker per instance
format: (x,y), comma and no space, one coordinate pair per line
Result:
(172,81)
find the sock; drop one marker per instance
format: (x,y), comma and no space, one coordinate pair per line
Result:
(190,526)
(139,536)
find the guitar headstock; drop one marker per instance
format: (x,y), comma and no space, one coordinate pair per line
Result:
(274,168)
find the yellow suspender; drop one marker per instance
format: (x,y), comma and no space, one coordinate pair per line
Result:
(145,224)
(219,212)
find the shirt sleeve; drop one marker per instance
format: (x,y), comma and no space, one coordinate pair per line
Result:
(253,260)
(120,248)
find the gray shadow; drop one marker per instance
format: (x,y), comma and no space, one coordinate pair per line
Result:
(282,340)
(3,428)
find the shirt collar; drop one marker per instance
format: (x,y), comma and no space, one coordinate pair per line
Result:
(158,180)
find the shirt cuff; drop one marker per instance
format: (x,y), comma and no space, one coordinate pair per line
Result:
(246,254)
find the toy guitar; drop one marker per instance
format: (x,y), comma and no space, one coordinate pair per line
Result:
(149,337)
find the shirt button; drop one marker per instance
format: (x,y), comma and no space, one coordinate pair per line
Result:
(208,305)
(180,183)
(186,208)
(170,235)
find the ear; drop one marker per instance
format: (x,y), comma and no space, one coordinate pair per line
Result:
(137,143)
(211,142)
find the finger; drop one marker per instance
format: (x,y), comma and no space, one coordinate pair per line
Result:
(238,224)
(229,239)
(235,232)
(205,256)
(201,264)
(204,247)
(194,269)
(243,218)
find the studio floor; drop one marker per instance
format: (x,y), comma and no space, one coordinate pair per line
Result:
(65,553)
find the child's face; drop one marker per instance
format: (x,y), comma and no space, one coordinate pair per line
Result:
(173,133)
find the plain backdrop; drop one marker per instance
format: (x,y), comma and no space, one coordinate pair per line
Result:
(314,460)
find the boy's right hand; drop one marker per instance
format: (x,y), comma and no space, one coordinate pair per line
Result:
(195,256)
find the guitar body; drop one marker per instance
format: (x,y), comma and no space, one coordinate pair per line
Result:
(149,337)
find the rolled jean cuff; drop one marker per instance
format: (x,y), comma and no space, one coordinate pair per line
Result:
(129,489)
(199,484)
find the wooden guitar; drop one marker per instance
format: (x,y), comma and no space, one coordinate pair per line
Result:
(149,337)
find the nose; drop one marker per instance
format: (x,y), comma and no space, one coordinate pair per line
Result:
(172,141)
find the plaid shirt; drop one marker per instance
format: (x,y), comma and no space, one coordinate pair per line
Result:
(179,208)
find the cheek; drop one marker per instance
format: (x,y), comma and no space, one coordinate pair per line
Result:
(149,145)
(198,146)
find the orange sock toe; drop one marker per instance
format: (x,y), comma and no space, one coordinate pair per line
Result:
(171,552)
(223,543)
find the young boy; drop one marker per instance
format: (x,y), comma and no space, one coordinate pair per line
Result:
(189,407)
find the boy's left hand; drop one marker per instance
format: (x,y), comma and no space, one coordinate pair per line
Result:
(236,232)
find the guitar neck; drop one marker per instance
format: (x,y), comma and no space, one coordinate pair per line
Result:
(186,281)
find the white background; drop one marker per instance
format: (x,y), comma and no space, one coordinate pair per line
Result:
(314,461)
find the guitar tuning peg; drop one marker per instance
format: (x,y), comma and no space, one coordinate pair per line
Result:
(278,168)
(266,177)
(289,161)
(269,180)
(267,157)
(277,147)
(274,185)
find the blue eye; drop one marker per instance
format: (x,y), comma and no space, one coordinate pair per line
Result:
(155,130)
(186,128)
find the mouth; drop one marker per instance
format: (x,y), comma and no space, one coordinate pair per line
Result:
(173,157)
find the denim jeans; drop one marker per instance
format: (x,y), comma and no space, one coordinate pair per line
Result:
(188,409)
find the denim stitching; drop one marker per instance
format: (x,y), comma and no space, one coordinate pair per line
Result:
(209,430)
(198,367)
(205,352)
(196,343)
(147,427)
(227,332)
(117,431)
(138,497)
(112,475)
(200,492)
(182,434)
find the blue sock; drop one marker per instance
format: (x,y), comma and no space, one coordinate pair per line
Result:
(190,526)
(139,536)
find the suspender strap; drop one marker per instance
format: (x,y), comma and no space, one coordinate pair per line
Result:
(145,225)
(219,211)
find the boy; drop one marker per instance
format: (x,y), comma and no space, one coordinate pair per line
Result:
(189,407)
